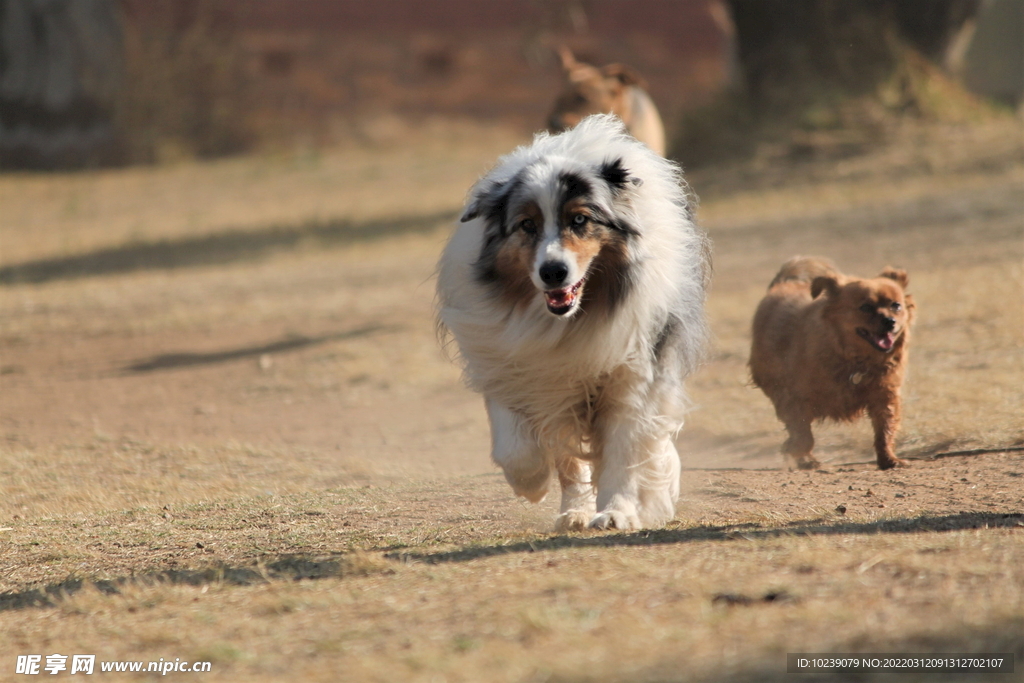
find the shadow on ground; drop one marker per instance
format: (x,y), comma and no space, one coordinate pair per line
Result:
(220,248)
(294,567)
(297,567)
(169,361)
(924,523)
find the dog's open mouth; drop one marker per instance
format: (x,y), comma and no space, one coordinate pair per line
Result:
(562,301)
(883,342)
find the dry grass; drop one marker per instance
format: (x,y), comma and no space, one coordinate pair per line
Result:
(720,603)
(228,435)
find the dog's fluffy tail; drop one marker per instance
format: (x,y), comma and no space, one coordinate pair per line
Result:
(805,268)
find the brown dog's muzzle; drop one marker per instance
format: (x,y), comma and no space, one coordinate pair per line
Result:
(885,339)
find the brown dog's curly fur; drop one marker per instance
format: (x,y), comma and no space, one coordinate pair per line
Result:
(829,346)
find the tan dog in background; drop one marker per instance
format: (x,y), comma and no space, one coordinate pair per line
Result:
(829,346)
(612,89)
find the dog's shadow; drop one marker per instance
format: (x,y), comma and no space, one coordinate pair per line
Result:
(297,567)
(815,527)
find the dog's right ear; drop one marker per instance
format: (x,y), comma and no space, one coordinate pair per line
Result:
(471,212)
(491,200)
(824,283)
(482,198)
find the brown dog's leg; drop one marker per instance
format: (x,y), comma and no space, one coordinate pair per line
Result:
(799,445)
(885,417)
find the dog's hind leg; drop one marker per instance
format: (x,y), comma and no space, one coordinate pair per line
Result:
(578,497)
(516,450)
(797,448)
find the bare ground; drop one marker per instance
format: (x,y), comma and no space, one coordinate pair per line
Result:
(228,433)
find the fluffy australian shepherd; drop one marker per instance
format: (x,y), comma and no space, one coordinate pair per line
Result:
(574,287)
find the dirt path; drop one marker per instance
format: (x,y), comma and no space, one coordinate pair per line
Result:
(240,373)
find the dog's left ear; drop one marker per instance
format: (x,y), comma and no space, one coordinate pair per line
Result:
(824,283)
(616,175)
(624,74)
(897,274)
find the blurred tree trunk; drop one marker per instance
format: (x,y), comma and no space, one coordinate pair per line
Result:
(827,79)
(61,68)
(791,49)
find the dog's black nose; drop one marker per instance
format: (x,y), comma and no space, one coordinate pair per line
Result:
(888,324)
(552,273)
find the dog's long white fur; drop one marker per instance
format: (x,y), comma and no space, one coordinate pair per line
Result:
(588,386)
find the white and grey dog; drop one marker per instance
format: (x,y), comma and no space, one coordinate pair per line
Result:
(574,287)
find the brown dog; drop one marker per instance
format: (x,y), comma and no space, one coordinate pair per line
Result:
(828,346)
(612,89)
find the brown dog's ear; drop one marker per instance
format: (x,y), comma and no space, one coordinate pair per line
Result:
(624,74)
(908,302)
(568,58)
(824,283)
(897,274)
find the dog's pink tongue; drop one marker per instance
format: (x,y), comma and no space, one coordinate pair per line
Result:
(558,297)
(885,342)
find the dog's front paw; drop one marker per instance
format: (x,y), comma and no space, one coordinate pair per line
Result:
(614,519)
(889,463)
(572,520)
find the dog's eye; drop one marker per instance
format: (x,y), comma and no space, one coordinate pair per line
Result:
(895,307)
(528,226)
(867,308)
(578,220)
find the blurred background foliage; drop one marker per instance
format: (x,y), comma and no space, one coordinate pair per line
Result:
(100,82)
